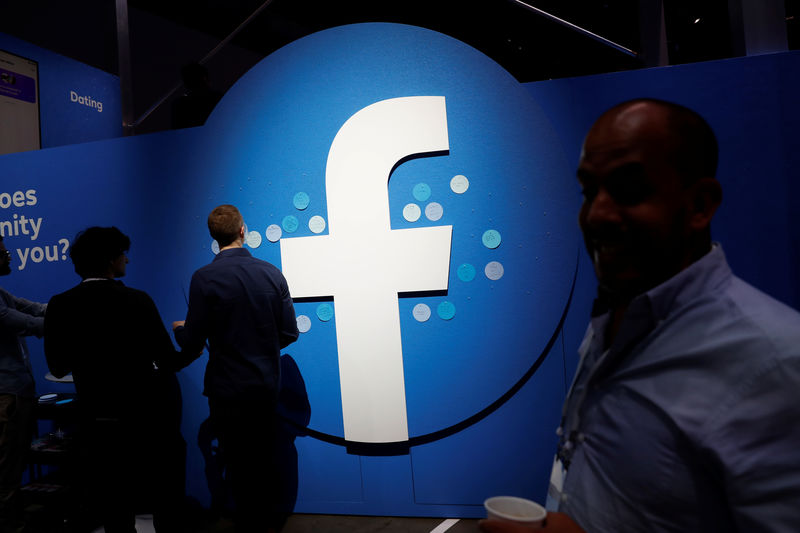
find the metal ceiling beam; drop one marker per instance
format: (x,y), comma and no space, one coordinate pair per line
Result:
(575,27)
(205,59)
(125,76)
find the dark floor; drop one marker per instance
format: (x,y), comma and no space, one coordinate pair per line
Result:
(310,523)
(44,521)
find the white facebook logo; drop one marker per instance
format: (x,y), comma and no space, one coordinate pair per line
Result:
(364,264)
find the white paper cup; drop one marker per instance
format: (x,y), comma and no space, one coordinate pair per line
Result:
(513,509)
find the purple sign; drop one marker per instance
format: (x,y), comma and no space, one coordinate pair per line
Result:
(17,86)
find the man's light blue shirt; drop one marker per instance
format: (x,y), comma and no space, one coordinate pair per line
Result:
(690,421)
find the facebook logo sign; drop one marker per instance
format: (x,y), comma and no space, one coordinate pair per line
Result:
(364,264)
(418,201)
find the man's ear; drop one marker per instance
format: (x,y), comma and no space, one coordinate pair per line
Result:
(241,233)
(706,195)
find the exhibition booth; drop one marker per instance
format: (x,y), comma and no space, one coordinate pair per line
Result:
(422,204)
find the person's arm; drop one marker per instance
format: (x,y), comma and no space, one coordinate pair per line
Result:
(57,340)
(755,441)
(28,307)
(20,316)
(555,522)
(191,334)
(288,325)
(157,340)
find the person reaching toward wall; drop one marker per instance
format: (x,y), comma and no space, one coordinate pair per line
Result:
(19,318)
(242,307)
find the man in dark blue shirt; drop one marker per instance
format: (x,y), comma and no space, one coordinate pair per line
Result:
(241,306)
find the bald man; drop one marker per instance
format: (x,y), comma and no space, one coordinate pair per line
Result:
(684,413)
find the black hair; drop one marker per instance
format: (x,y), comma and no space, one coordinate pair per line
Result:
(94,248)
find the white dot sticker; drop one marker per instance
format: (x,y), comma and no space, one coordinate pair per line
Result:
(421,312)
(434,211)
(215,247)
(411,212)
(303,323)
(459,184)
(253,239)
(316,224)
(274,233)
(494,270)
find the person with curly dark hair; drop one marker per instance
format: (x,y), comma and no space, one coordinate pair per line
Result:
(113,341)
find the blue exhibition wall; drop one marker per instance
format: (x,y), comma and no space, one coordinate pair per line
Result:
(485,368)
(751,104)
(77,103)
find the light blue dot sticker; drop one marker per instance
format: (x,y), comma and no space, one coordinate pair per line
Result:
(215,247)
(494,270)
(434,211)
(253,239)
(273,233)
(459,184)
(446,310)
(422,191)
(466,272)
(290,223)
(301,201)
(491,238)
(411,212)
(303,323)
(421,312)
(316,224)
(324,312)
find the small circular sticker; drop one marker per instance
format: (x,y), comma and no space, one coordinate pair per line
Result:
(446,310)
(300,201)
(411,212)
(434,211)
(324,312)
(316,224)
(459,184)
(491,238)
(494,270)
(421,312)
(273,233)
(290,223)
(466,272)
(303,323)
(422,191)
(253,239)
(215,247)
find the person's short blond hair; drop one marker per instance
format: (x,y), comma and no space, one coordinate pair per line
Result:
(224,223)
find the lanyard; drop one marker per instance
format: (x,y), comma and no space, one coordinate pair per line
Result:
(569,435)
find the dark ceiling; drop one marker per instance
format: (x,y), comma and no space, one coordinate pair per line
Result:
(529,45)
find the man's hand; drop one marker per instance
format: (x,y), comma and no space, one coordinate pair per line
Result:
(177,324)
(555,522)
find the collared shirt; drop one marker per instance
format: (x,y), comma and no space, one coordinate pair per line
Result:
(690,420)
(242,306)
(18,318)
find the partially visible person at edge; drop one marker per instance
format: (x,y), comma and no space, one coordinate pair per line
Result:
(242,307)
(18,318)
(111,337)
(684,413)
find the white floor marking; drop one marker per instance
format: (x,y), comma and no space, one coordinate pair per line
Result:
(444,526)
